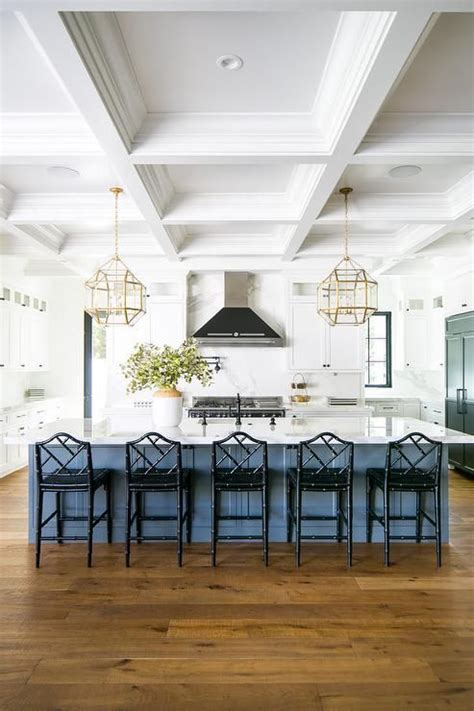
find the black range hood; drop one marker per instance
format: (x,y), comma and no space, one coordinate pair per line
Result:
(236,324)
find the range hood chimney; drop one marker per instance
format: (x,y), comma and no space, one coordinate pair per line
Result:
(236,324)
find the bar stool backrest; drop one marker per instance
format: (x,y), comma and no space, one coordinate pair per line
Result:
(239,452)
(414,455)
(326,453)
(63,455)
(153,454)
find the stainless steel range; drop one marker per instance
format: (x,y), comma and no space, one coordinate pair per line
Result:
(227,407)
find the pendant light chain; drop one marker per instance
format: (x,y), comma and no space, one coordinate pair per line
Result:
(116,224)
(346,228)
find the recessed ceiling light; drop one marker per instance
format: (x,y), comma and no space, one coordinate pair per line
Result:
(404,171)
(61,171)
(231,62)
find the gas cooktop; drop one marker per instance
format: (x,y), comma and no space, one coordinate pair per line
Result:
(265,406)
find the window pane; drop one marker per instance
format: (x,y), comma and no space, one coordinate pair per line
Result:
(377,326)
(378,374)
(377,350)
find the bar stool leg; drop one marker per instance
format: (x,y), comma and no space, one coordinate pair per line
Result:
(339,516)
(265,525)
(213,524)
(128,527)
(188,513)
(419,517)
(90,526)
(386,525)
(108,499)
(179,525)
(298,526)
(289,511)
(349,526)
(59,523)
(39,518)
(437,503)
(138,519)
(369,520)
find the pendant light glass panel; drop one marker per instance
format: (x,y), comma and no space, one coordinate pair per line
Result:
(114,295)
(348,295)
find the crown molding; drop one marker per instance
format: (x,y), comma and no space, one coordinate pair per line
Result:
(99,42)
(438,135)
(461,196)
(156,180)
(197,138)
(6,201)
(40,135)
(69,207)
(354,50)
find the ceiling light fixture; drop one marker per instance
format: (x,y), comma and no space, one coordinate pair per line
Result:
(61,171)
(115,297)
(230,62)
(404,171)
(348,296)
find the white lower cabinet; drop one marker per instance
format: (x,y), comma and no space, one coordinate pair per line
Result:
(396,407)
(432,412)
(18,421)
(314,345)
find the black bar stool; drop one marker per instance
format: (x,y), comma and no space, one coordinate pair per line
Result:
(64,464)
(154,464)
(239,464)
(413,464)
(324,464)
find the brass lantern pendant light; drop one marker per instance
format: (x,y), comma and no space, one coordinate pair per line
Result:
(348,296)
(115,297)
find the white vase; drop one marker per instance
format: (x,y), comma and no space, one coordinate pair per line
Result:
(167,408)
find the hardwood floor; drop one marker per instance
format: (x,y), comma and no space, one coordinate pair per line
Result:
(239,636)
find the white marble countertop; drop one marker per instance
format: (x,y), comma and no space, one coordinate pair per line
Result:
(361,430)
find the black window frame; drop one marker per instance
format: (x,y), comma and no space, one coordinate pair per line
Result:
(388,350)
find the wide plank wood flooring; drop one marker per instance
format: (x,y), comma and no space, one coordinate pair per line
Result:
(238,637)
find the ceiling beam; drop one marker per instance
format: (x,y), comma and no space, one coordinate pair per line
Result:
(238,5)
(51,37)
(393,37)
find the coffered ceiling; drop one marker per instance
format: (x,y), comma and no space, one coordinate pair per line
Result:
(237,169)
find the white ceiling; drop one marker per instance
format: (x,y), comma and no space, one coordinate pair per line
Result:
(230,178)
(174,57)
(434,178)
(27,82)
(238,169)
(441,76)
(94,175)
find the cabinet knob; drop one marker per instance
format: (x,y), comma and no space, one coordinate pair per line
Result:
(22,365)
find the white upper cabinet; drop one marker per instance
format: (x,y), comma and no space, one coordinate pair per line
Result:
(345,347)
(306,337)
(459,294)
(24,335)
(314,345)
(416,341)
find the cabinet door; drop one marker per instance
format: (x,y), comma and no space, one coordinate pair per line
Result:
(411,409)
(437,340)
(345,347)
(469,429)
(167,323)
(416,341)
(26,340)
(454,365)
(307,338)
(469,366)
(5,335)
(38,345)
(455,421)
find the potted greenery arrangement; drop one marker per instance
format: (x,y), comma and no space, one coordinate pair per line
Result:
(160,368)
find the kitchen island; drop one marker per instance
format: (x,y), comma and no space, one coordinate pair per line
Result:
(370,435)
